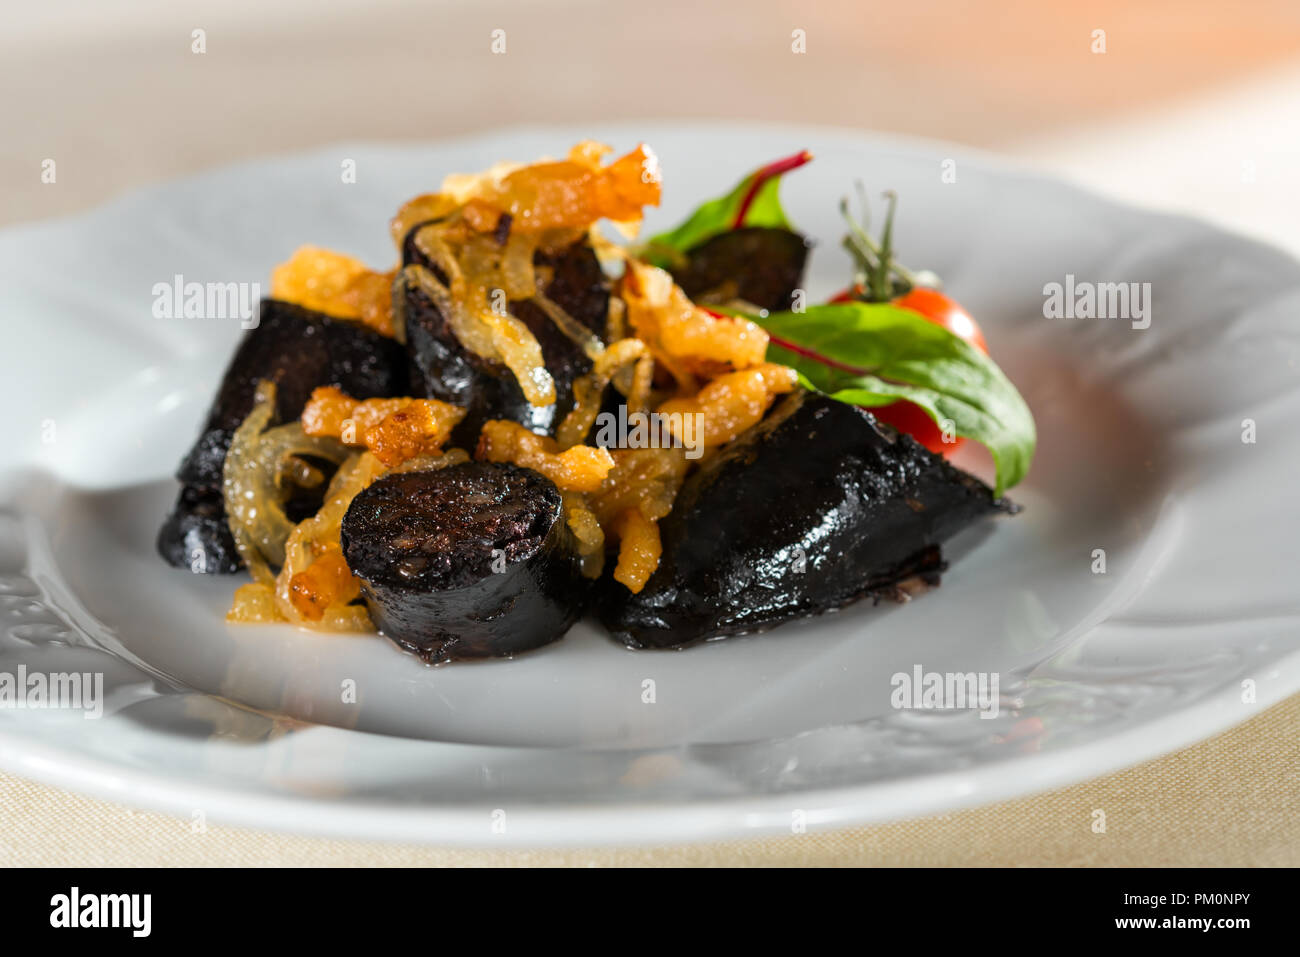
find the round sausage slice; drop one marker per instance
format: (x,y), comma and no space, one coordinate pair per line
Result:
(470,561)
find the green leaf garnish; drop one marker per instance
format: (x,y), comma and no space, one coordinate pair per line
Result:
(872,354)
(754,202)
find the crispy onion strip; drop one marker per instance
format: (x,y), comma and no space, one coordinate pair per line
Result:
(251,481)
(312,537)
(587,532)
(588,389)
(582,337)
(487,332)
(518,278)
(579,468)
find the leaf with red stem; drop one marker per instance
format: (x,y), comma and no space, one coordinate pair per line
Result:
(754,202)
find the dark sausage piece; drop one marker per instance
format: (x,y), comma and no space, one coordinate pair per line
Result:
(760,265)
(298,350)
(195,534)
(471,561)
(815,507)
(444,369)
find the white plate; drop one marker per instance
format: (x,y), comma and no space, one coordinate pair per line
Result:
(1140,454)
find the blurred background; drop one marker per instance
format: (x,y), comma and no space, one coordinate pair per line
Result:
(1191,106)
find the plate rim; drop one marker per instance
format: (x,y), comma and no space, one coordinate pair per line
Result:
(828,809)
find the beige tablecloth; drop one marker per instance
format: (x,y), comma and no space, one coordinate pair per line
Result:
(1231,801)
